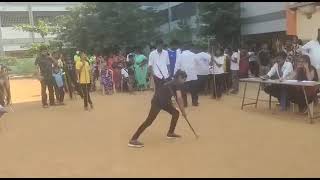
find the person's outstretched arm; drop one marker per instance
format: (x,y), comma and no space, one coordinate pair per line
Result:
(180,103)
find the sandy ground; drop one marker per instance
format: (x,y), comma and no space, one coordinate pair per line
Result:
(68,142)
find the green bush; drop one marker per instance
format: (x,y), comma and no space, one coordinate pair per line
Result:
(24,67)
(8,61)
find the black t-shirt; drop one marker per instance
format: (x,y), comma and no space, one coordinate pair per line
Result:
(163,95)
(45,63)
(264,58)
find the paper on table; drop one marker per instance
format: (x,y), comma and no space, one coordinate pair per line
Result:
(307,81)
(291,80)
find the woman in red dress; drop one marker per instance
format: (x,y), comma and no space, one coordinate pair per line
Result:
(244,63)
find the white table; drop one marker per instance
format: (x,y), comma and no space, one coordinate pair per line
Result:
(302,84)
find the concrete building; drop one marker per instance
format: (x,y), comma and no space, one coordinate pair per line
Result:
(175,12)
(263,21)
(14,13)
(303,19)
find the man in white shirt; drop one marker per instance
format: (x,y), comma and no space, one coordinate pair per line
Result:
(234,67)
(218,61)
(202,65)
(280,70)
(186,61)
(312,49)
(159,64)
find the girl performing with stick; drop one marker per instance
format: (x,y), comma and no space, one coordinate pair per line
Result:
(83,75)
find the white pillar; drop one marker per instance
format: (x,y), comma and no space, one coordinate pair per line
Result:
(1,42)
(169,17)
(31,20)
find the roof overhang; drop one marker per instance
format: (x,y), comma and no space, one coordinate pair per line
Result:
(295,6)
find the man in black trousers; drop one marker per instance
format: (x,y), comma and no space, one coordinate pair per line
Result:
(44,62)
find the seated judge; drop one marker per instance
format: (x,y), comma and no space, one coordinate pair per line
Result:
(280,70)
(304,71)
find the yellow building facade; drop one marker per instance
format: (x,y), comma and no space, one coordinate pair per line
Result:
(304,20)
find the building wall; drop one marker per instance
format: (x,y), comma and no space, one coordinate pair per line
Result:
(307,29)
(262,17)
(13,13)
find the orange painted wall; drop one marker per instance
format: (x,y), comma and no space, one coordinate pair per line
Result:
(291,22)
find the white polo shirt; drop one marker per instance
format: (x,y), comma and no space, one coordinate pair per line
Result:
(235,66)
(186,61)
(202,63)
(312,48)
(159,63)
(220,60)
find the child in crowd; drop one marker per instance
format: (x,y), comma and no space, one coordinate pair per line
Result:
(58,76)
(127,74)
(107,80)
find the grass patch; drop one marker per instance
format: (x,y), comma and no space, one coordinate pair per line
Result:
(24,66)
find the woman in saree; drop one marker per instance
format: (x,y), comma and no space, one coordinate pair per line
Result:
(141,69)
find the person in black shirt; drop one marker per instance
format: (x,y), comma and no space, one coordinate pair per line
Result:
(71,77)
(45,62)
(264,59)
(162,101)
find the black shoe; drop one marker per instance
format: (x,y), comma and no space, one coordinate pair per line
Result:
(173,136)
(135,144)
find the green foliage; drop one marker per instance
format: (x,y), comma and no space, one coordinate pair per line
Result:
(23,67)
(183,33)
(8,61)
(99,26)
(221,19)
(41,28)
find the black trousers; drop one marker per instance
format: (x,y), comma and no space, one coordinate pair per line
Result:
(154,111)
(47,83)
(218,85)
(85,88)
(72,78)
(202,81)
(59,93)
(192,88)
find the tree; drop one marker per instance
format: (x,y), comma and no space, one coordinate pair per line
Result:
(101,26)
(221,19)
(41,28)
(183,33)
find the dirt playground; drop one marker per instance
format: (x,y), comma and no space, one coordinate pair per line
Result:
(66,141)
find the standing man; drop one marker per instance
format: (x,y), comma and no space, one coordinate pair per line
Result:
(312,49)
(5,93)
(45,63)
(202,64)
(71,77)
(173,54)
(234,67)
(264,59)
(159,65)
(187,62)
